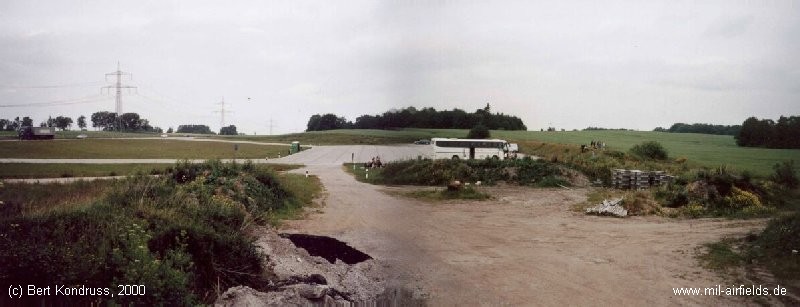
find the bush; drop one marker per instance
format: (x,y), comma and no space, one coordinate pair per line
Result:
(489,171)
(785,174)
(649,150)
(775,244)
(479,132)
(181,235)
(739,199)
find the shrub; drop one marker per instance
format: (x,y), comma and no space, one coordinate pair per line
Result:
(489,171)
(741,199)
(785,174)
(181,235)
(775,244)
(479,132)
(649,150)
(641,203)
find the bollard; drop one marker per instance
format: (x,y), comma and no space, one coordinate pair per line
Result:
(366,175)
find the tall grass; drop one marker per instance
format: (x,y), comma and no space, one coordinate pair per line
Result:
(182,235)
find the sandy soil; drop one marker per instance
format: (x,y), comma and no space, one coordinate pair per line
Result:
(525,247)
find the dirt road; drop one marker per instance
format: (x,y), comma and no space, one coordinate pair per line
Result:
(526,247)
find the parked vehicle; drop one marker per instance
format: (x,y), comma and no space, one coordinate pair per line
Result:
(472,149)
(36,133)
(82,136)
(422,142)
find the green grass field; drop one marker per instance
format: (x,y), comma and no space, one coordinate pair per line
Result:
(704,149)
(134,149)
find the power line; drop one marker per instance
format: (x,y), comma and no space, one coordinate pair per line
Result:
(86,84)
(87,99)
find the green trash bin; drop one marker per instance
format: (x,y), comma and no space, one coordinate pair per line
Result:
(295,148)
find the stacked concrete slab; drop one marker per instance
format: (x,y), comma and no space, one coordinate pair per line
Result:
(638,180)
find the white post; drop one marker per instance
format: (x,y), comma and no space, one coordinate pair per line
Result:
(366,176)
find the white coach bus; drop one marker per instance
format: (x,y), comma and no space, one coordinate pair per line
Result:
(472,149)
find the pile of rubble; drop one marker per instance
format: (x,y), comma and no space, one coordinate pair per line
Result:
(302,279)
(612,208)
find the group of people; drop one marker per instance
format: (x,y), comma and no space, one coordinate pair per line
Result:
(597,145)
(593,145)
(375,162)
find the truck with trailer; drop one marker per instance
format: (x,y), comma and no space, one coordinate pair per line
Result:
(36,133)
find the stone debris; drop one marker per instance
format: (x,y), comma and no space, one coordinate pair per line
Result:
(301,279)
(612,207)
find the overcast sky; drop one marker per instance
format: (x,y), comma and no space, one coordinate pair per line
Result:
(572,64)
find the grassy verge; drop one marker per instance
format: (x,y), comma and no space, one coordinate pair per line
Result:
(372,175)
(135,149)
(55,170)
(304,190)
(776,248)
(466,193)
(182,235)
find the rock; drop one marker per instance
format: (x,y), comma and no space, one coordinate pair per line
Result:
(312,292)
(317,279)
(329,301)
(613,208)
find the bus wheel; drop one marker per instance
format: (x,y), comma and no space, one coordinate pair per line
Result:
(455,158)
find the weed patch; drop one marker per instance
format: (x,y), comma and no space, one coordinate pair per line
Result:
(182,235)
(441,172)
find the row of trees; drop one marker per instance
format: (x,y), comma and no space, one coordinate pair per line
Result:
(201,129)
(60,122)
(702,128)
(130,122)
(106,121)
(425,118)
(13,125)
(785,133)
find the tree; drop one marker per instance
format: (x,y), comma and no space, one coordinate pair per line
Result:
(202,129)
(131,122)
(420,118)
(768,133)
(479,132)
(62,122)
(327,122)
(229,130)
(169,130)
(26,122)
(104,120)
(81,122)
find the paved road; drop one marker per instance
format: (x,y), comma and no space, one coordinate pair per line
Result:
(171,138)
(338,154)
(317,155)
